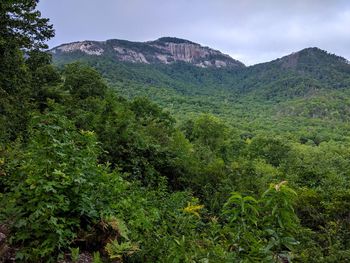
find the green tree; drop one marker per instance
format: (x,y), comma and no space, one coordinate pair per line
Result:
(210,131)
(22,26)
(83,81)
(22,30)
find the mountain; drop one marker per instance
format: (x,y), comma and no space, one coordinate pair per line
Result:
(310,84)
(168,62)
(166,50)
(311,57)
(297,74)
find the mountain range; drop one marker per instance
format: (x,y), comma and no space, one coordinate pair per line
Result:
(184,77)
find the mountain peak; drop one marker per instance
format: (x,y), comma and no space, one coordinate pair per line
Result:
(318,53)
(165,50)
(174,40)
(312,56)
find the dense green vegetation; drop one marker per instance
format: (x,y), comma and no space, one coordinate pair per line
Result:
(237,166)
(301,95)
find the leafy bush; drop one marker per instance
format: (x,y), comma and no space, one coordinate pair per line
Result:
(262,230)
(60,188)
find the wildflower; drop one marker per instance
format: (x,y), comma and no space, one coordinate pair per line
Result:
(193,209)
(87,133)
(278,186)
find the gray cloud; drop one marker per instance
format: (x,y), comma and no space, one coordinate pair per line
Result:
(252,31)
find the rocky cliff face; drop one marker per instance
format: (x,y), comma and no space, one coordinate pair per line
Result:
(164,50)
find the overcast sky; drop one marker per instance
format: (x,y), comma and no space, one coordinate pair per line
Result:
(251,31)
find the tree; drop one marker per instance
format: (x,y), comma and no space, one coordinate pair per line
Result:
(22,26)
(22,30)
(273,150)
(83,81)
(210,131)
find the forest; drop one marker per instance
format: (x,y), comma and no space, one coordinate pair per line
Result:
(98,163)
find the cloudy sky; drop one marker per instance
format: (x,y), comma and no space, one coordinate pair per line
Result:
(251,31)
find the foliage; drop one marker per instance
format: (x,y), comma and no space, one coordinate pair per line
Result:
(82,81)
(84,170)
(22,30)
(58,187)
(262,230)
(22,25)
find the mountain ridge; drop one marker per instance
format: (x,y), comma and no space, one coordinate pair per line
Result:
(310,74)
(165,50)
(94,47)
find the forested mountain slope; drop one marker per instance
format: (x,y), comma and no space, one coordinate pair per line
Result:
(312,68)
(309,88)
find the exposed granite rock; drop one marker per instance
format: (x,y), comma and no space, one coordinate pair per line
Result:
(130,55)
(88,47)
(164,50)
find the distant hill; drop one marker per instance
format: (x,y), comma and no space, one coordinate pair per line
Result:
(299,74)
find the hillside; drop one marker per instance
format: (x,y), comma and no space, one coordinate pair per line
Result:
(297,74)
(308,88)
(311,68)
